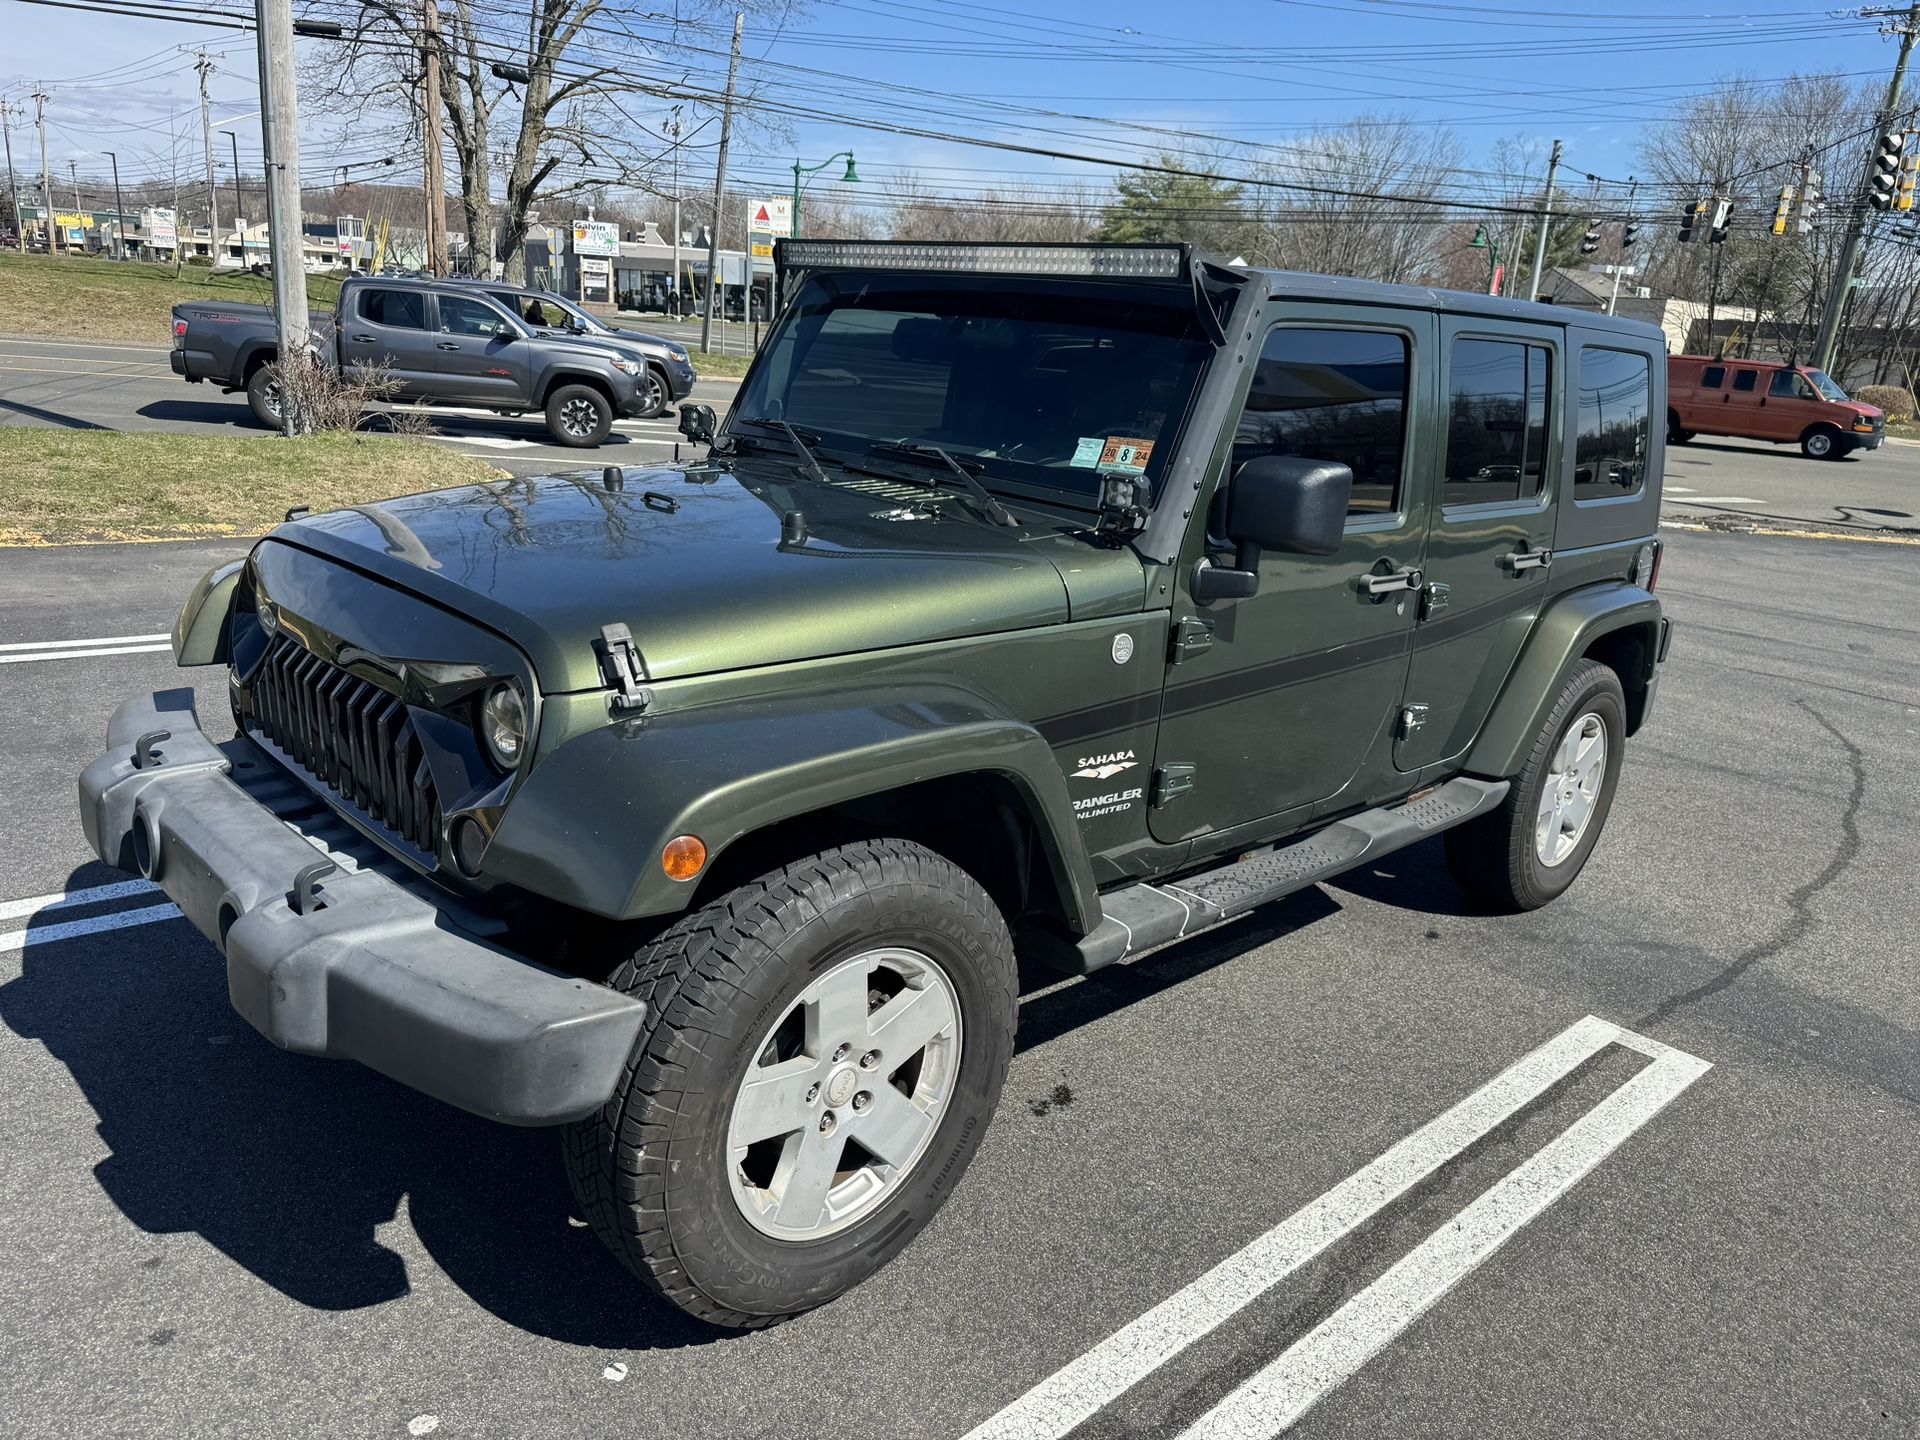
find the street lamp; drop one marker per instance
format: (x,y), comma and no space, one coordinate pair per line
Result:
(850,178)
(1492,247)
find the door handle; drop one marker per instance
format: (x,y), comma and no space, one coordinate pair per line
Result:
(1387,584)
(446,345)
(361,339)
(1523,560)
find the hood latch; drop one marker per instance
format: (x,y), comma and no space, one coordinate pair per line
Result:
(623,668)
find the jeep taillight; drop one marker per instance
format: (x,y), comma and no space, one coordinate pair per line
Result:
(1645,570)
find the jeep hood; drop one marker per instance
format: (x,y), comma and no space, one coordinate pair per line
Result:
(695,563)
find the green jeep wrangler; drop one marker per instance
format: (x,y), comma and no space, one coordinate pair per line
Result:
(1059,601)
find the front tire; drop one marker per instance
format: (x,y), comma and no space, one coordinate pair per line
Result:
(1822,442)
(1533,846)
(823,1049)
(652,398)
(579,416)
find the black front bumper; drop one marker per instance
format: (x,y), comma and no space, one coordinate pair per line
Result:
(373,970)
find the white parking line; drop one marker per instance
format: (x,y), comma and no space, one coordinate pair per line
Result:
(73,929)
(1080,1389)
(1271,1401)
(1719,500)
(73,899)
(83,654)
(65,644)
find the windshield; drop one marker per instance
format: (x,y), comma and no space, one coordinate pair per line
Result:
(1824,383)
(1047,387)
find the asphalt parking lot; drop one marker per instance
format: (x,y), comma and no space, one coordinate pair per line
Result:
(1361,1160)
(129,387)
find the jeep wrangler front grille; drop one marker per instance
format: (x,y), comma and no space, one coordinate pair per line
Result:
(351,736)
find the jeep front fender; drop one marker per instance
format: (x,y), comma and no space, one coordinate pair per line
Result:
(587,826)
(1566,630)
(200,634)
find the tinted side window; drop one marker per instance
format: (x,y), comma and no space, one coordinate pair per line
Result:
(400,309)
(461,316)
(1743,379)
(1497,421)
(1713,377)
(1332,395)
(1610,453)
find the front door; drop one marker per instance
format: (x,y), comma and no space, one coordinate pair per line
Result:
(1489,546)
(1792,406)
(1286,701)
(476,362)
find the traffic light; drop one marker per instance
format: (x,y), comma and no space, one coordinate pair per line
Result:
(1590,241)
(1629,234)
(1809,199)
(1884,178)
(1722,215)
(1909,174)
(1783,212)
(1691,218)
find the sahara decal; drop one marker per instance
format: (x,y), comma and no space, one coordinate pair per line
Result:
(1104,767)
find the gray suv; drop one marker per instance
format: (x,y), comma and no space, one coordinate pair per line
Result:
(440,342)
(672,369)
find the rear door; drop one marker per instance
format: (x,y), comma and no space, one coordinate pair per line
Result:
(388,331)
(1282,703)
(1698,398)
(477,363)
(1490,536)
(1746,389)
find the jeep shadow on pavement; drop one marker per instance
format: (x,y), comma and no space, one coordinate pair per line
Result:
(1065,601)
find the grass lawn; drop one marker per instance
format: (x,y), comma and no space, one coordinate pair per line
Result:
(67,486)
(712,363)
(95,299)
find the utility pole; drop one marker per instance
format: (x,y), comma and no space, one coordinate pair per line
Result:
(119,210)
(73,173)
(1633,187)
(430,130)
(673,284)
(1904,22)
(239,200)
(13,184)
(204,64)
(54,241)
(720,184)
(1546,219)
(280,149)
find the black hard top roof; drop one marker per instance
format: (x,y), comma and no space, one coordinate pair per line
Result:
(1303,285)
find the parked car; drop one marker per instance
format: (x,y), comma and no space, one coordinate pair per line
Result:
(1767,400)
(670,374)
(440,343)
(1067,600)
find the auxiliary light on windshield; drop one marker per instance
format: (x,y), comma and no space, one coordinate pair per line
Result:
(1101,262)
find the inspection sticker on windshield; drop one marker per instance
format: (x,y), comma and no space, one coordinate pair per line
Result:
(1115,452)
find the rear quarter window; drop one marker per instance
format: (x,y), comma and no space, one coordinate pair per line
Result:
(1613,440)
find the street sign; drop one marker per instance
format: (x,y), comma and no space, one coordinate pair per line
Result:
(760,245)
(771,217)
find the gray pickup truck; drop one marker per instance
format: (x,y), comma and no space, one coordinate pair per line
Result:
(440,343)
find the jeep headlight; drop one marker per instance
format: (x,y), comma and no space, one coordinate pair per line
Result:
(263,608)
(678,352)
(631,367)
(503,724)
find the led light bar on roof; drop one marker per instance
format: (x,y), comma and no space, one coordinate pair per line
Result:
(1101,262)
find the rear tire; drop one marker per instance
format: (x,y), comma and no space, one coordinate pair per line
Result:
(1533,846)
(1675,435)
(263,396)
(755,989)
(1822,442)
(579,416)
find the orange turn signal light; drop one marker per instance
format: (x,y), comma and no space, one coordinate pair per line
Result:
(683,857)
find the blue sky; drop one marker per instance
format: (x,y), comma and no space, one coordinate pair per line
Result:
(1118,79)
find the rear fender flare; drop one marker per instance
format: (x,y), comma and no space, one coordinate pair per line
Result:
(1567,629)
(587,826)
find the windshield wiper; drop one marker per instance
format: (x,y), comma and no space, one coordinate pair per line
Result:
(981,497)
(811,465)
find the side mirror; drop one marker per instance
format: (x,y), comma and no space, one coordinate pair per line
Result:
(503,331)
(698,423)
(1277,502)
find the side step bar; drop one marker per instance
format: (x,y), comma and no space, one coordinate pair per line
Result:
(1143,916)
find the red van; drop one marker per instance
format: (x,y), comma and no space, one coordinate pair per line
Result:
(1766,400)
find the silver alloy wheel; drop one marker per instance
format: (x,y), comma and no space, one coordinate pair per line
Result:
(270,398)
(653,396)
(579,416)
(844,1094)
(1571,790)
(1818,444)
